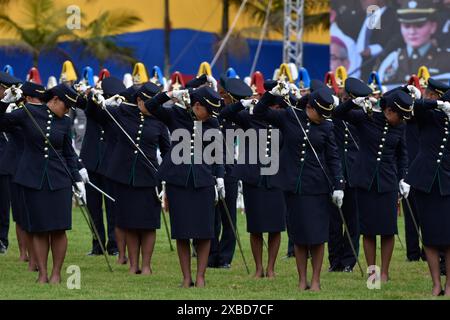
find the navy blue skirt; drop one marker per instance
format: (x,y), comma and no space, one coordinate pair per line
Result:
(192,212)
(309,218)
(46,210)
(265,209)
(377,212)
(137,208)
(434,215)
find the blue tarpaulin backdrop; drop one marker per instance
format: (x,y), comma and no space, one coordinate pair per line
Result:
(149,49)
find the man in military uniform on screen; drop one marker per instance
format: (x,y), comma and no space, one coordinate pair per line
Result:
(419,28)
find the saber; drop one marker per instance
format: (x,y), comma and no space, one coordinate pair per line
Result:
(327,177)
(101,191)
(236,235)
(83,203)
(416,225)
(341,213)
(167,229)
(129,138)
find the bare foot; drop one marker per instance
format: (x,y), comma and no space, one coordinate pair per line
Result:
(447,291)
(315,287)
(384,278)
(42,279)
(303,286)
(187,284)
(55,279)
(122,260)
(270,274)
(147,271)
(23,258)
(259,274)
(437,291)
(200,283)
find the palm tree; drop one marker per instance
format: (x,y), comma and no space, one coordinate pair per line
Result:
(99,39)
(316,13)
(40,31)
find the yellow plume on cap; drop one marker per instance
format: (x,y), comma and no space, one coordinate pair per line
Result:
(140,75)
(284,73)
(68,72)
(423,74)
(205,68)
(341,76)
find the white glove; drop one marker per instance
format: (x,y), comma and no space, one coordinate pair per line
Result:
(220,184)
(81,87)
(212,82)
(98,98)
(114,101)
(80,191)
(295,90)
(84,175)
(280,90)
(444,106)
(414,92)
(336,101)
(338,198)
(404,188)
(12,95)
(365,103)
(179,94)
(249,103)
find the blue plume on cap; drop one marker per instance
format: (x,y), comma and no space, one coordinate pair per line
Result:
(374,81)
(157,75)
(88,76)
(9,70)
(303,77)
(231,73)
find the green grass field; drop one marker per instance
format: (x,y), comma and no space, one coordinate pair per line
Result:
(409,280)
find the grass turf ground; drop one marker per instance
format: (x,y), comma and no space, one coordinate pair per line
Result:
(409,280)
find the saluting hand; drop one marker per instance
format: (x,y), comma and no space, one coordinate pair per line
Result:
(12,95)
(212,82)
(338,198)
(280,90)
(416,94)
(445,107)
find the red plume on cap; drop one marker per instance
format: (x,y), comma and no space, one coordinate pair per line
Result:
(415,81)
(257,83)
(177,81)
(34,76)
(330,81)
(104,73)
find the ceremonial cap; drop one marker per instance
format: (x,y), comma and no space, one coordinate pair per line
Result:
(128,80)
(231,73)
(104,73)
(304,80)
(257,83)
(197,82)
(322,100)
(446,96)
(88,76)
(423,74)
(140,75)
(34,76)
(148,91)
(284,74)
(270,84)
(68,72)
(341,76)
(9,70)
(7,80)
(415,81)
(34,90)
(208,98)
(204,69)
(437,86)
(52,82)
(157,76)
(112,86)
(65,93)
(375,83)
(177,81)
(316,84)
(356,88)
(237,88)
(330,81)
(400,102)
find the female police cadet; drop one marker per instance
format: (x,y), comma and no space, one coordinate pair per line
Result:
(379,166)
(264,204)
(429,175)
(138,208)
(41,174)
(308,183)
(33,94)
(190,186)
